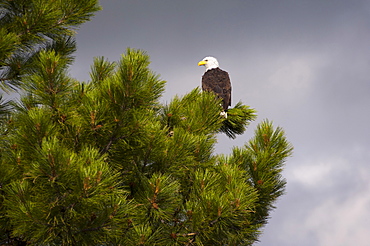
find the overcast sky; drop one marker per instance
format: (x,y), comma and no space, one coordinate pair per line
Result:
(305,65)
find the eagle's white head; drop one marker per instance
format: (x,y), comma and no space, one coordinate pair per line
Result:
(209,62)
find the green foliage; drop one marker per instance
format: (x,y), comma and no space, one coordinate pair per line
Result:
(105,163)
(63,195)
(222,203)
(188,113)
(264,157)
(48,82)
(30,26)
(238,118)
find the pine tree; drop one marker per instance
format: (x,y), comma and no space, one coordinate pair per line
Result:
(29,26)
(105,163)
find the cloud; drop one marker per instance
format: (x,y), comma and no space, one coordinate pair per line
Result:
(293,75)
(311,175)
(342,223)
(327,202)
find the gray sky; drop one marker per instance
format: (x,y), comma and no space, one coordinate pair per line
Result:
(304,64)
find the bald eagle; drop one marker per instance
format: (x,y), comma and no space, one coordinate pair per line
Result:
(216,80)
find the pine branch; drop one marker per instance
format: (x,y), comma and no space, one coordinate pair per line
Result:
(111,141)
(238,118)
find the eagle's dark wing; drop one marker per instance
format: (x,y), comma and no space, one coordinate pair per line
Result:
(218,81)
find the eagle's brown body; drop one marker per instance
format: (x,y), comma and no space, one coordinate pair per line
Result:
(218,81)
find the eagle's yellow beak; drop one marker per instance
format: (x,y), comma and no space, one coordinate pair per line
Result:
(201,63)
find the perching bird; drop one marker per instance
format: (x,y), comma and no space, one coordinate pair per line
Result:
(216,80)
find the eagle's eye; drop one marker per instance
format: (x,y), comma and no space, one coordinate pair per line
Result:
(206,60)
